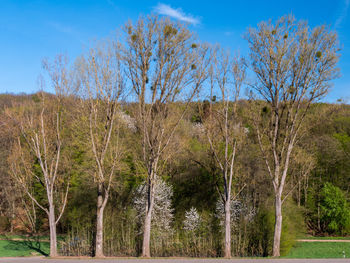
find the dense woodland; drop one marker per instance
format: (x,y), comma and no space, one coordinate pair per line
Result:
(155,144)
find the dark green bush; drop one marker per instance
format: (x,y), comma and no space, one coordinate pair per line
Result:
(335,210)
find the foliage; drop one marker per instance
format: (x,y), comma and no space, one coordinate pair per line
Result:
(335,210)
(263,230)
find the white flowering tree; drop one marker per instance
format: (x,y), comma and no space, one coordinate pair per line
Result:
(239,211)
(192,220)
(128,121)
(163,213)
(236,210)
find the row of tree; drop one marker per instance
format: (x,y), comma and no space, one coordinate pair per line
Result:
(132,107)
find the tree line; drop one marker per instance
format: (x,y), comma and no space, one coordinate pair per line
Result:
(178,147)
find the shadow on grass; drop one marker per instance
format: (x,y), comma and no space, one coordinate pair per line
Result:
(28,244)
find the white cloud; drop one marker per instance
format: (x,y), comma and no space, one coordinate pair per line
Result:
(343,14)
(177,13)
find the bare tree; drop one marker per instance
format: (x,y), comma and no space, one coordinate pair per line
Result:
(223,127)
(40,124)
(165,66)
(293,65)
(102,85)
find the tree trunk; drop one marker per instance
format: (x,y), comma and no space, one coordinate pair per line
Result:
(147,226)
(53,237)
(299,193)
(99,224)
(306,182)
(318,216)
(12,216)
(278,226)
(228,228)
(147,236)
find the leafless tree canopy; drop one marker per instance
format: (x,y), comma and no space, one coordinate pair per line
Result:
(293,66)
(165,64)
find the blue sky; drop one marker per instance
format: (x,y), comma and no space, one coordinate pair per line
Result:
(32,30)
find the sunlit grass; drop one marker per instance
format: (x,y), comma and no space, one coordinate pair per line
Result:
(15,248)
(320,250)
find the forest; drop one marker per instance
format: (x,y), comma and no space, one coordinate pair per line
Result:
(153,143)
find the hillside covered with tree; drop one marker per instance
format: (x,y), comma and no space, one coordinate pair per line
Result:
(156,144)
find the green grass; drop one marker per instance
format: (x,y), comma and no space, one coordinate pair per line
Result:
(10,248)
(319,250)
(326,238)
(30,247)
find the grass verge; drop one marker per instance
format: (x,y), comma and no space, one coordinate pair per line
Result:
(319,250)
(326,238)
(23,248)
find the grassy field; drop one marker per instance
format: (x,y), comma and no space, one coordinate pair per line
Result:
(326,238)
(10,246)
(320,250)
(15,248)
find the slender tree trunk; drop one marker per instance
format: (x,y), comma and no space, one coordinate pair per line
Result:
(318,216)
(278,226)
(12,216)
(299,193)
(147,235)
(53,236)
(147,225)
(99,223)
(228,228)
(305,191)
